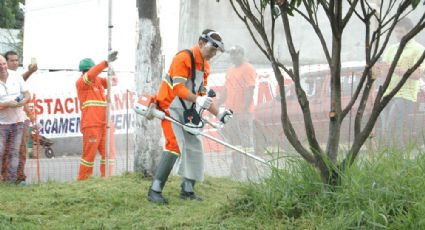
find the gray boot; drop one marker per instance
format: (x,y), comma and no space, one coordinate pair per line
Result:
(187,192)
(164,168)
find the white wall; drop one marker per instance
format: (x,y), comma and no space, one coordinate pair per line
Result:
(169,23)
(59,33)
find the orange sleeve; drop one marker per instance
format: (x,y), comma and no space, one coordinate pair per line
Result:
(251,76)
(96,70)
(180,65)
(181,91)
(104,82)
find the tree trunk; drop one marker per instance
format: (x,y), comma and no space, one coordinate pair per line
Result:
(189,23)
(149,67)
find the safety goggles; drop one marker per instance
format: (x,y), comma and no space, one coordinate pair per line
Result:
(219,45)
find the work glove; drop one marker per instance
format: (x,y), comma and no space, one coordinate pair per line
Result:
(192,128)
(112,56)
(224,115)
(204,102)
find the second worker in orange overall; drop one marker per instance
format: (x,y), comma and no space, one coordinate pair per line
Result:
(91,94)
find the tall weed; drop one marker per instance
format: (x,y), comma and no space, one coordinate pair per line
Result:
(385,191)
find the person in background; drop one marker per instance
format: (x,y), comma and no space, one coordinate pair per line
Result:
(395,115)
(14,95)
(91,94)
(181,96)
(238,95)
(12,60)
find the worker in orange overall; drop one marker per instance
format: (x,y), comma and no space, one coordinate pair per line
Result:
(181,96)
(91,93)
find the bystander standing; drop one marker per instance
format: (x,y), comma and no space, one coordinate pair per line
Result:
(395,122)
(13,96)
(238,96)
(12,60)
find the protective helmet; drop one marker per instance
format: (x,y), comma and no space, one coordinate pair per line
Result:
(208,36)
(86,64)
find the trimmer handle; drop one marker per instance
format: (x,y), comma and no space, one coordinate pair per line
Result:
(211,93)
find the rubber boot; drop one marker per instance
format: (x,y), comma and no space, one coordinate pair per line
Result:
(187,192)
(164,168)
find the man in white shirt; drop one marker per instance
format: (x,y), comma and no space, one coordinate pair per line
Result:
(14,95)
(12,60)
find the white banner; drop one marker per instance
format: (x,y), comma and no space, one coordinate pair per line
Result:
(58,108)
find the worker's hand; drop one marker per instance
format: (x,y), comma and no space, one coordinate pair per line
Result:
(192,128)
(112,56)
(204,102)
(224,115)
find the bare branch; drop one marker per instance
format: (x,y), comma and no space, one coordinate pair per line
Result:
(245,21)
(272,5)
(312,19)
(349,13)
(301,96)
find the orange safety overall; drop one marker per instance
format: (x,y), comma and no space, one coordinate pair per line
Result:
(90,90)
(174,85)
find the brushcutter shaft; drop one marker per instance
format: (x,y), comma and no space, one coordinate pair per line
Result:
(235,148)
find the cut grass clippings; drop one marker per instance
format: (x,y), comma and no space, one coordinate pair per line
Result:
(113,203)
(384,192)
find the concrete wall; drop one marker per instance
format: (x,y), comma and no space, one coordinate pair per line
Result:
(220,16)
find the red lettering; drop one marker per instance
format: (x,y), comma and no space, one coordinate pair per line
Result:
(38,106)
(68,108)
(131,96)
(77,105)
(119,101)
(58,106)
(48,101)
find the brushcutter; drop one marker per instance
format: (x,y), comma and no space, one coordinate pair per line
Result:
(146,106)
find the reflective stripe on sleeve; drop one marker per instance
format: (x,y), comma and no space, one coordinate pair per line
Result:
(90,103)
(86,79)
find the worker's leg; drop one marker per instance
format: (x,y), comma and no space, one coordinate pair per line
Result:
(91,141)
(168,158)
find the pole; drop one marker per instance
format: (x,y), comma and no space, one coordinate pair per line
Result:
(36,141)
(349,121)
(108,94)
(126,133)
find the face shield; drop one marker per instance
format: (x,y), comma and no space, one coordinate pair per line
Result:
(219,45)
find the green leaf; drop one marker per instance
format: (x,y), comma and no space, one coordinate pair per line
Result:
(299,3)
(276,12)
(264,3)
(415,3)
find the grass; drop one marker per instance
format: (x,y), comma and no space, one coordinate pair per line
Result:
(114,203)
(385,192)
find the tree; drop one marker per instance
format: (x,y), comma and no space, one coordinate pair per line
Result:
(12,19)
(189,23)
(11,16)
(149,66)
(261,18)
